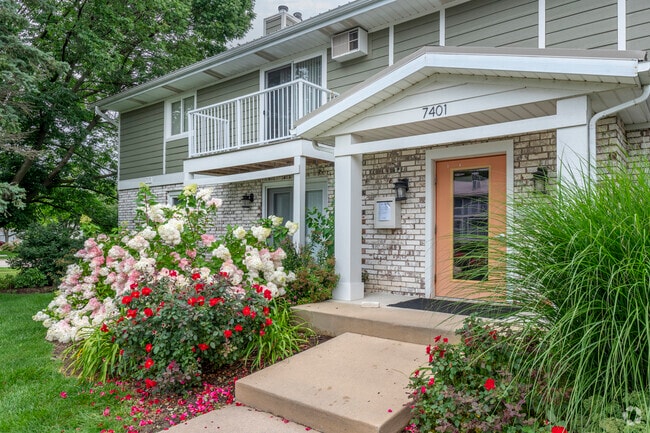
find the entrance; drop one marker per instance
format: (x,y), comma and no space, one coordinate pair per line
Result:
(470,209)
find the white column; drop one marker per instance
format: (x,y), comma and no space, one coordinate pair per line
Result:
(299,188)
(574,156)
(347,179)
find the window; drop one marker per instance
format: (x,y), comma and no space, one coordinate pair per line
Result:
(179,122)
(279,200)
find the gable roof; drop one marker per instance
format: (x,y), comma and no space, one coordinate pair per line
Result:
(313,33)
(625,68)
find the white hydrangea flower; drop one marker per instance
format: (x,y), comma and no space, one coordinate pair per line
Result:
(276,220)
(155,213)
(138,243)
(148,233)
(204,194)
(222,252)
(169,233)
(240,233)
(292,227)
(190,189)
(261,233)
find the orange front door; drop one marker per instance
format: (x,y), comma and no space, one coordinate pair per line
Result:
(470,209)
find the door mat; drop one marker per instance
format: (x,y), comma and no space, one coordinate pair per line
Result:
(490,311)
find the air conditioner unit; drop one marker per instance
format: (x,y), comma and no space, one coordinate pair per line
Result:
(350,44)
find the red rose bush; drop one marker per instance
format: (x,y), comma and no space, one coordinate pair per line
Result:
(173,297)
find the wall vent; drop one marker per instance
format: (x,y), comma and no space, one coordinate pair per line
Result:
(350,44)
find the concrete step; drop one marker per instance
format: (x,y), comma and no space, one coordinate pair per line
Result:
(374,318)
(352,383)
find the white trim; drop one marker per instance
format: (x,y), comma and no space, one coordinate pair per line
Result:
(486,148)
(541,24)
(160,180)
(244,177)
(442,27)
(391,44)
(622,24)
(461,135)
(171,195)
(168,115)
(584,68)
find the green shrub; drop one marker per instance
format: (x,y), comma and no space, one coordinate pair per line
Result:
(30,277)
(579,268)
(7,282)
(49,248)
(283,337)
(314,281)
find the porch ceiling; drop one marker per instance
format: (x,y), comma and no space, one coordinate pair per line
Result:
(483,118)
(248,168)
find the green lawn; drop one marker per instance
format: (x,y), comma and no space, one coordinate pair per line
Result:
(31,383)
(7,271)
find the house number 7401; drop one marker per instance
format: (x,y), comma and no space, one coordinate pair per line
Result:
(432,111)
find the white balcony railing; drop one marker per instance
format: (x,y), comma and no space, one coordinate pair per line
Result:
(253,119)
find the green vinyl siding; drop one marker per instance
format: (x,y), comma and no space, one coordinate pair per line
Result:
(141,142)
(343,75)
(493,23)
(638,25)
(413,35)
(226,90)
(587,24)
(175,152)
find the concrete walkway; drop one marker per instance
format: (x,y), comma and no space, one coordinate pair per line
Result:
(356,382)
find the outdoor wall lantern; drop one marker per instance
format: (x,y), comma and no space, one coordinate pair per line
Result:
(540,180)
(401,186)
(247,200)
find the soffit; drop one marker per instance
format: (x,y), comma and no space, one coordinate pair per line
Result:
(311,34)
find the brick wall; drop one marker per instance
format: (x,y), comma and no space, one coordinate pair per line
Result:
(395,260)
(232,211)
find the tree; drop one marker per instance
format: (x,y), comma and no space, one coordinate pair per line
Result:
(80,51)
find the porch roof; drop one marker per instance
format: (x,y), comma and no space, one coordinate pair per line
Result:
(610,76)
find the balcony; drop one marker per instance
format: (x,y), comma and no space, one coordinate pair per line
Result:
(254,119)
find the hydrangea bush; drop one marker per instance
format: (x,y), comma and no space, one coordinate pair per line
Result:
(171,285)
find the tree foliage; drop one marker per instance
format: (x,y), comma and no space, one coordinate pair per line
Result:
(57,57)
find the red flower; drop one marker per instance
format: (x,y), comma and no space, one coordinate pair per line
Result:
(223,274)
(148,383)
(131,313)
(428,350)
(173,273)
(437,338)
(262,332)
(104,328)
(203,346)
(267,294)
(227,333)
(146,291)
(148,347)
(134,286)
(148,363)
(257,288)
(135,294)
(253,314)
(215,301)
(559,429)
(268,321)
(198,287)
(431,381)
(246,311)
(200,300)
(266,311)
(148,312)
(493,333)
(490,385)
(196,276)
(238,328)
(191,301)
(126,300)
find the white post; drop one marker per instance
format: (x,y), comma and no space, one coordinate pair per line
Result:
(299,188)
(574,156)
(347,216)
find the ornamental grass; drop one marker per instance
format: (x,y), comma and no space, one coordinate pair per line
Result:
(579,268)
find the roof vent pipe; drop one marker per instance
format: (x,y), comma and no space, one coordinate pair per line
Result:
(283,8)
(298,15)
